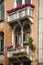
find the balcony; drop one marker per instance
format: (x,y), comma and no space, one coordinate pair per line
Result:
(19,52)
(19,56)
(21,12)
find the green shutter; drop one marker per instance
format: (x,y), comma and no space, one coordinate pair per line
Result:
(19,2)
(2,10)
(27,1)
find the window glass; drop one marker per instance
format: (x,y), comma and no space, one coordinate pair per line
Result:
(27,1)
(1,42)
(20,39)
(2,10)
(25,36)
(19,2)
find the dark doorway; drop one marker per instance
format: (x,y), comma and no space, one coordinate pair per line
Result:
(1,42)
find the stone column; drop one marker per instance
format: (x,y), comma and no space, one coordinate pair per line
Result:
(13,38)
(15,3)
(22,35)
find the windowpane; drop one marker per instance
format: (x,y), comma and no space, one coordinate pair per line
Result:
(2,10)
(27,1)
(20,39)
(23,37)
(1,43)
(16,39)
(19,2)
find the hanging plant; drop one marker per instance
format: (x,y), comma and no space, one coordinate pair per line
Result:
(20,7)
(9,46)
(30,43)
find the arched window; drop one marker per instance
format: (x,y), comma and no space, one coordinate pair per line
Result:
(20,35)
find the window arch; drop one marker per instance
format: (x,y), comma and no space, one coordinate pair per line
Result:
(17,29)
(26,27)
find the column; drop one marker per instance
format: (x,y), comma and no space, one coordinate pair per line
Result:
(22,35)
(15,3)
(23,1)
(13,38)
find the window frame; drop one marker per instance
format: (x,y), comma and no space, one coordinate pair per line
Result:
(23,2)
(2,10)
(1,43)
(18,35)
(26,1)
(18,2)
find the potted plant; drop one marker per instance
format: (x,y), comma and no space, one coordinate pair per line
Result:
(20,7)
(30,43)
(9,46)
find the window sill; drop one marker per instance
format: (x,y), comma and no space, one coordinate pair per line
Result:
(1,20)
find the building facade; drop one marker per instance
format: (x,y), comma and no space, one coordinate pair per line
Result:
(18,19)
